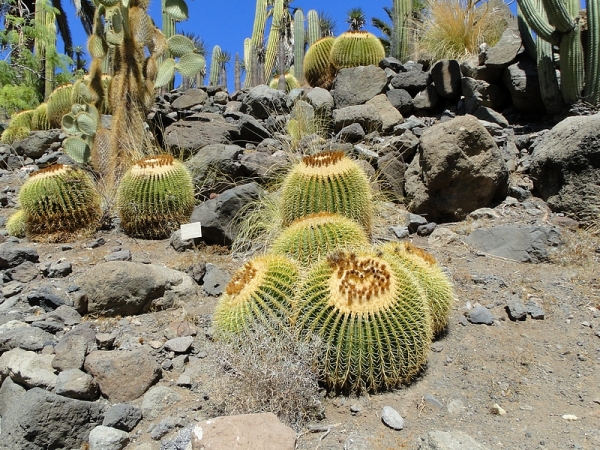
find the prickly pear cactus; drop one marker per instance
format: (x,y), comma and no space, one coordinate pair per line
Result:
(311,238)
(327,182)
(433,280)
(155,197)
(261,291)
(372,316)
(60,203)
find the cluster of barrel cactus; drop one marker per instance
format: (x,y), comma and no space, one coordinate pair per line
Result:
(375,308)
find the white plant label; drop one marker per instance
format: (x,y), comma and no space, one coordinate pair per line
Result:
(191,231)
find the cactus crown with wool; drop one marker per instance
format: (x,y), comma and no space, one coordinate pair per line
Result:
(372,316)
(356,48)
(312,237)
(260,291)
(60,202)
(433,280)
(155,197)
(318,69)
(327,182)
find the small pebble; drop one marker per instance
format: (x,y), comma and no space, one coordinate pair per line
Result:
(570,417)
(392,418)
(498,410)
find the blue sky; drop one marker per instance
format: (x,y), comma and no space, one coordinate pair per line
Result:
(228,22)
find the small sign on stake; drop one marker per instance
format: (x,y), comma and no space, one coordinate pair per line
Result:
(191,231)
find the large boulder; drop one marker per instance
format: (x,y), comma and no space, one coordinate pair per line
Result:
(481,93)
(187,136)
(43,420)
(216,215)
(37,143)
(123,375)
(190,98)
(367,116)
(506,49)
(12,255)
(521,79)
(263,101)
(126,288)
(565,167)
(390,116)
(358,85)
(16,334)
(459,169)
(213,164)
(446,77)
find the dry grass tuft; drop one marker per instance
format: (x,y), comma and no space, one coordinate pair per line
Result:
(266,373)
(454,29)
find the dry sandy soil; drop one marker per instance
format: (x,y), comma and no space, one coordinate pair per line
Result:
(537,371)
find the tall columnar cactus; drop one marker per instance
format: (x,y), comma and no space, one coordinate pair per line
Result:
(438,288)
(313,237)
(401,16)
(155,197)
(45,42)
(262,291)
(355,48)
(255,44)
(313,28)
(273,39)
(299,43)
(327,182)
(557,22)
(213,78)
(318,69)
(372,316)
(60,203)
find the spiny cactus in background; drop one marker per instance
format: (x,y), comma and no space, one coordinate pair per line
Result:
(299,43)
(311,238)
(15,225)
(60,203)
(237,73)
(22,119)
(313,28)
(155,197)
(401,16)
(213,77)
(59,103)
(318,69)
(259,292)
(290,82)
(372,316)
(435,283)
(13,134)
(327,182)
(558,23)
(356,47)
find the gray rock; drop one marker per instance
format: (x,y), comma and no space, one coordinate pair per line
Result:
(187,136)
(23,273)
(522,81)
(189,98)
(358,441)
(516,309)
(357,85)
(392,168)
(535,310)
(31,369)
(11,289)
(180,245)
(455,407)
(506,49)
(446,78)
(427,229)
(458,170)
(107,438)
(37,143)
(481,93)
(158,399)
(58,269)
(164,427)
(47,297)
(426,99)
(390,116)
(249,131)
(412,81)
(445,440)
(415,221)
(182,441)
(263,101)
(73,347)
(392,418)
(351,133)
(433,402)
(45,420)
(216,214)
(262,165)
(401,100)
(9,394)
(126,288)
(121,255)
(528,244)
(122,416)
(179,344)
(481,315)
(489,115)
(321,100)
(12,255)
(400,232)
(74,383)
(50,326)
(215,280)
(123,375)
(22,335)
(366,115)
(65,314)
(565,167)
